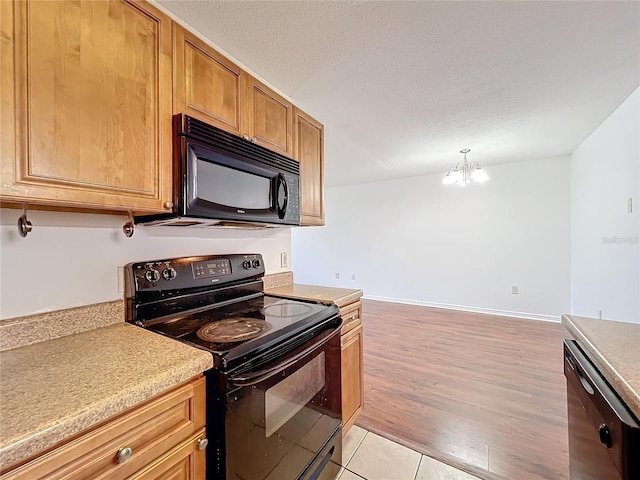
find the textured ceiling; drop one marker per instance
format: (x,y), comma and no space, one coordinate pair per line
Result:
(401,87)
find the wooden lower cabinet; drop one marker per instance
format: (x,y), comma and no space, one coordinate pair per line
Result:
(163,435)
(351,343)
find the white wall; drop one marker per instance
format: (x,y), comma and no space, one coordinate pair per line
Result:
(415,240)
(72,259)
(605,253)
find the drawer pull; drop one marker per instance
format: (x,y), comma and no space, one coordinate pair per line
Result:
(202,443)
(124,454)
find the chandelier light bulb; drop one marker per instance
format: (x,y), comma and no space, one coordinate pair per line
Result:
(448,178)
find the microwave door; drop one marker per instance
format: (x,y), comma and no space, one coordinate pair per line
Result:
(221,186)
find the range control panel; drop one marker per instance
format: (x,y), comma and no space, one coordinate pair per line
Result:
(191,272)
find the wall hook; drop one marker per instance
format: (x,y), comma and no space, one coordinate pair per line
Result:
(128,228)
(24,225)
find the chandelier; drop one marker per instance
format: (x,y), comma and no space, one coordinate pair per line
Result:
(465,171)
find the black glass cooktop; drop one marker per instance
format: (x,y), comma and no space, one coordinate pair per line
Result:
(243,328)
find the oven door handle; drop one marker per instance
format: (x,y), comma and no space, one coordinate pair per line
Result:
(253,378)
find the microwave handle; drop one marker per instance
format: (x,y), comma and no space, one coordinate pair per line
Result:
(253,378)
(282,183)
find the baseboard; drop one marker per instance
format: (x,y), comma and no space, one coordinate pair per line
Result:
(465,308)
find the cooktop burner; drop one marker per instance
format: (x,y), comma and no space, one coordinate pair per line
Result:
(233,330)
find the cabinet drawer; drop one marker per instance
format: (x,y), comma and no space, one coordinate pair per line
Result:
(351,316)
(149,430)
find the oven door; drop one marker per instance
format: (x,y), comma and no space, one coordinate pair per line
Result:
(283,420)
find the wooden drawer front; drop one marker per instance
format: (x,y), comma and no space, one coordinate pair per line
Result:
(184,462)
(150,430)
(351,316)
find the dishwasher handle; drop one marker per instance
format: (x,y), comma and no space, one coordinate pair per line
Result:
(583,381)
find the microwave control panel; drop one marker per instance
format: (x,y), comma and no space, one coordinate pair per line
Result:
(292,214)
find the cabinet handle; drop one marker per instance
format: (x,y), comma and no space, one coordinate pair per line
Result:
(245,136)
(124,454)
(254,140)
(202,443)
(168,205)
(24,225)
(352,318)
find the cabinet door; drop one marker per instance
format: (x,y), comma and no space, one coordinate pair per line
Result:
(207,86)
(184,462)
(86,104)
(309,151)
(269,118)
(352,377)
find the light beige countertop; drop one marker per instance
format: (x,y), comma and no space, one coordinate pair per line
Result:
(337,296)
(614,347)
(54,389)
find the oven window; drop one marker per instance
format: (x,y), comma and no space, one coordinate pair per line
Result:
(285,399)
(233,188)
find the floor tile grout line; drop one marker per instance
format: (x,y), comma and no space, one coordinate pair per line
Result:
(356,449)
(419,463)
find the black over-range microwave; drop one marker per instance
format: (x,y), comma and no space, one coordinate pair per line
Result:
(221,179)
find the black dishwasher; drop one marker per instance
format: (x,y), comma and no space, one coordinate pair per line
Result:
(604,436)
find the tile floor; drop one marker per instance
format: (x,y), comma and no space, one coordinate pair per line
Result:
(367,456)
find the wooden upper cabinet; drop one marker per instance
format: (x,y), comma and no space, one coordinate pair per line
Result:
(207,86)
(269,118)
(86,104)
(309,151)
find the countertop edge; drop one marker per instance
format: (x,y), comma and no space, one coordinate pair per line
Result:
(340,297)
(611,374)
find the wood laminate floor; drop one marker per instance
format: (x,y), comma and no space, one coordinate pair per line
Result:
(483,393)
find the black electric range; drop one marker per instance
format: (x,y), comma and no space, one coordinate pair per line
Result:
(276,358)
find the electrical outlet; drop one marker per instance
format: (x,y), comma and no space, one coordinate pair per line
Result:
(120,272)
(515,290)
(353,276)
(630,205)
(599,313)
(284,260)
(337,275)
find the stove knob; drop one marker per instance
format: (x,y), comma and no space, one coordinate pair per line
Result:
(152,275)
(246,264)
(256,263)
(169,273)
